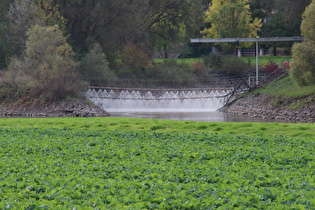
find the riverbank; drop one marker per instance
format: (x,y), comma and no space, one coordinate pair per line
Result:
(267,107)
(281,99)
(254,106)
(66,108)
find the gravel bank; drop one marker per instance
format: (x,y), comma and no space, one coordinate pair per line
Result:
(260,107)
(75,108)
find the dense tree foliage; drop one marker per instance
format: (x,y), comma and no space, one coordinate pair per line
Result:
(157,25)
(303,62)
(21,16)
(94,64)
(118,37)
(231,18)
(4,53)
(281,18)
(114,23)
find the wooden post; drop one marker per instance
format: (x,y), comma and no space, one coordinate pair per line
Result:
(257,55)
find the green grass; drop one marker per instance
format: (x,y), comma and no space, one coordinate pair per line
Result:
(137,124)
(180,60)
(263,60)
(287,94)
(287,87)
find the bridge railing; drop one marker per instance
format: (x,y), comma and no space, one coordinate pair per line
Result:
(266,78)
(215,82)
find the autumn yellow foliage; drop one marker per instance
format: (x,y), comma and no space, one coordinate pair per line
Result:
(230,19)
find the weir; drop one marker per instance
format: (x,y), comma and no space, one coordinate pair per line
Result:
(158,100)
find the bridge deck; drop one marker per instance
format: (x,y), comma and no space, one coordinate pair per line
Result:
(156,94)
(162,89)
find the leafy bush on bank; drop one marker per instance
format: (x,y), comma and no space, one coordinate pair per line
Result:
(228,65)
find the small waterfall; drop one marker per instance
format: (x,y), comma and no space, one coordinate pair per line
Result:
(158,101)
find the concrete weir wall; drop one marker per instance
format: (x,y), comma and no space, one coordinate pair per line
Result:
(158,100)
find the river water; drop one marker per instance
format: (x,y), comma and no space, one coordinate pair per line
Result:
(193,116)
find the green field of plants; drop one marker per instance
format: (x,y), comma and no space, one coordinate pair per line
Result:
(119,163)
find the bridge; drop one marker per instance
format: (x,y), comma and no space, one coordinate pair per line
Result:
(255,40)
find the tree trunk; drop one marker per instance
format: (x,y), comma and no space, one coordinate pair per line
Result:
(275,51)
(165,51)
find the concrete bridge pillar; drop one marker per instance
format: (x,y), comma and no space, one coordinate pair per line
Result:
(215,50)
(261,52)
(239,52)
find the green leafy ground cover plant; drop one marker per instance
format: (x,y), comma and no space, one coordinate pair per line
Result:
(75,168)
(298,130)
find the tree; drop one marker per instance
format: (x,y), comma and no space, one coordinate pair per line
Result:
(291,12)
(303,61)
(111,23)
(50,63)
(134,61)
(230,18)
(261,8)
(21,15)
(281,18)
(50,14)
(115,23)
(308,23)
(287,15)
(4,44)
(94,65)
(172,22)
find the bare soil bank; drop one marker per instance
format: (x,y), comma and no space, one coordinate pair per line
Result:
(72,108)
(261,107)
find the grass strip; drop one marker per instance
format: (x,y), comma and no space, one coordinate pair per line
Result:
(298,130)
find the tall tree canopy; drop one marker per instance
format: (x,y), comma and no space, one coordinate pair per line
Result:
(114,23)
(171,21)
(281,17)
(4,52)
(22,15)
(151,24)
(230,18)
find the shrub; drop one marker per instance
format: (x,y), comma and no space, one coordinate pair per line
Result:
(303,60)
(134,61)
(213,61)
(198,68)
(308,23)
(15,74)
(229,65)
(302,68)
(94,65)
(233,66)
(50,64)
(173,74)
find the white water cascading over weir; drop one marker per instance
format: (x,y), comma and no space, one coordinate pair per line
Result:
(121,100)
